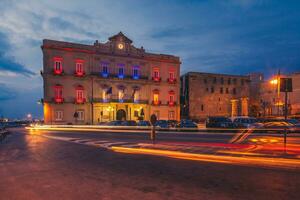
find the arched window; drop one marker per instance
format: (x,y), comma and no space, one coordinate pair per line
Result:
(58,68)
(80,94)
(79,67)
(58,93)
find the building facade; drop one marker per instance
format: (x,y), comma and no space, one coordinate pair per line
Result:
(272,102)
(206,94)
(90,84)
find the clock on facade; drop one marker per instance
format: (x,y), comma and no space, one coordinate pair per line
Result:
(120,46)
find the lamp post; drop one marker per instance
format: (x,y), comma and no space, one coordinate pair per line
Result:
(276,82)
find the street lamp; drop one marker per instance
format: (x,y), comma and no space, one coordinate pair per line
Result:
(274,81)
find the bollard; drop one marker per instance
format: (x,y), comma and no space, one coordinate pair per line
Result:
(153,134)
(284,140)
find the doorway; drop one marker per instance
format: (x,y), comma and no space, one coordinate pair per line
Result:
(121,114)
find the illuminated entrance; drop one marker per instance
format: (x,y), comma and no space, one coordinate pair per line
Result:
(121,114)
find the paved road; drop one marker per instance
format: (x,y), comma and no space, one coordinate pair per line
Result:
(50,165)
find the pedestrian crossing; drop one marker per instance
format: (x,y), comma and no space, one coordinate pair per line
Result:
(93,142)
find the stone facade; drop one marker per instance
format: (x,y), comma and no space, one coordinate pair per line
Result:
(206,94)
(272,102)
(89,84)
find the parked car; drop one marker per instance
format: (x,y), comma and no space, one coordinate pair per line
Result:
(114,123)
(219,122)
(143,123)
(277,127)
(244,122)
(186,124)
(172,123)
(129,123)
(162,124)
(293,121)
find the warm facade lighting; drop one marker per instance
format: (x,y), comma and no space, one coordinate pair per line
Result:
(274,81)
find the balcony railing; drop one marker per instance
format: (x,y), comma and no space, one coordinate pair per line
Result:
(101,100)
(156,103)
(171,103)
(172,80)
(80,101)
(156,79)
(79,74)
(119,76)
(58,100)
(58,72)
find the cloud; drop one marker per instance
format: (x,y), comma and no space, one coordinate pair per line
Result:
(8,64)
(6,92)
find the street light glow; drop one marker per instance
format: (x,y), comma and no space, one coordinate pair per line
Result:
(274,82)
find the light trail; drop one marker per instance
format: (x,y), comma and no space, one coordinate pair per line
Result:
(266,162)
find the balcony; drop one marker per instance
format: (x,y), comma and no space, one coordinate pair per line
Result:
(119,76)
(58,100)
(80,101)
(156,79)
(171,103)
(156,103)
(101,100)
(58,72)
(79,74)
(172,80)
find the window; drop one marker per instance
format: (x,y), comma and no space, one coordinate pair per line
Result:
(221,90)
(227,91)
(79,67)
(121,95)
(121,72)
(171,98)
(234,81)
(202,107)
(207,89)
(212,90)
(136,95)
(156,76)
(215,80)
(172,75)
(222,80)
(234,91)
(229,81)
(80,115)
(136,113)
(155,98)
(156,73)
(79,95)
(58,94)
(171,115)
(104,67)
(104,95)
(58,115)
(136,73)
(205,80)
(58,65)
(242,81)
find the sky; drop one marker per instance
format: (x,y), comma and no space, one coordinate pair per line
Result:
(218,36)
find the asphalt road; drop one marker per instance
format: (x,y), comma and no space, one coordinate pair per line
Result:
(62,165)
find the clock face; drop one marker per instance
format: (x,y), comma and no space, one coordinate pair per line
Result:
(120,46)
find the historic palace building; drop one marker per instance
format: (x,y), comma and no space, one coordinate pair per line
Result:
(206,94)
(90,84)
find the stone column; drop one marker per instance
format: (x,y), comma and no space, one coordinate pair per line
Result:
(245,109)
(234,107)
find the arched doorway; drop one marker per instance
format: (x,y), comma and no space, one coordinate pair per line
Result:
(121,114)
